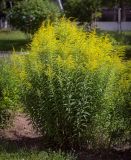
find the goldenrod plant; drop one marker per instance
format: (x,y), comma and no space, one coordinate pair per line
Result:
(9,91)
(74,86)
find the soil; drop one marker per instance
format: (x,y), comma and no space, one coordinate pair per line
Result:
(22,135)
(22,127)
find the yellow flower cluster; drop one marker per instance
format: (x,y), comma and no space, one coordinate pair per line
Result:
(68,46)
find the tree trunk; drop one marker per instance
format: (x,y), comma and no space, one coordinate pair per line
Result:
(60,4)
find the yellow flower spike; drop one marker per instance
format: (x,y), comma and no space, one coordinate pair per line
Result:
(70,64)
(49,72)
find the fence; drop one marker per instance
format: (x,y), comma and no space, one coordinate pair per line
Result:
(114,26)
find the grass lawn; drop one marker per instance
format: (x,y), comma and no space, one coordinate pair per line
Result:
(10,40)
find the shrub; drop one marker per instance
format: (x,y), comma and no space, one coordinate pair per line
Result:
(28,15)
(74,86)
(4,114)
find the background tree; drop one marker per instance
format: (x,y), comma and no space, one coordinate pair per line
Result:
(28,15)
(83,10)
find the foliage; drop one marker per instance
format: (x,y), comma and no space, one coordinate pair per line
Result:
(8,94)
(3,110)
(28,15)
(74,86)
(83,10)
(90,10)
(118,3)
(123,39)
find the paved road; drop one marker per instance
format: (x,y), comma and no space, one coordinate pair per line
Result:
(8,53)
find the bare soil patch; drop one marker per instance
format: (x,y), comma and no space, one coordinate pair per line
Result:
(22,135)
(21,127)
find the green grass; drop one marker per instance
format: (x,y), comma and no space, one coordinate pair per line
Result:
(35,155)
(32,149)
(10,40)
(15,150)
